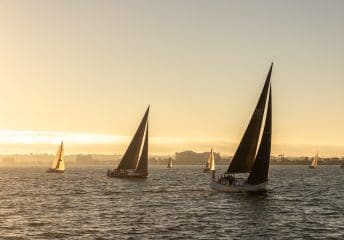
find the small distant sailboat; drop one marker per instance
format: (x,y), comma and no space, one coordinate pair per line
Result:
(246,158)
(58,165)
(210,165)
(134,164)
(314,163)
(170,163)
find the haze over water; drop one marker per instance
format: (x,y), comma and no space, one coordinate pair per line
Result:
(170,204)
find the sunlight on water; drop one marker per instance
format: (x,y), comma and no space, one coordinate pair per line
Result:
(170,204)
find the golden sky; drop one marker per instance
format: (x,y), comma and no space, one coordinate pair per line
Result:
(85,71)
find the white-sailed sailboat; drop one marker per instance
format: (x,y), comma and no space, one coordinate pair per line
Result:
(170,163)
(210,165)
(247,159)
(58,165)
(134,163)
(314,163)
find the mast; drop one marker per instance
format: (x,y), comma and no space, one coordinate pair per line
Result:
(142,166)
(131,156)
(244,156)
(260,169)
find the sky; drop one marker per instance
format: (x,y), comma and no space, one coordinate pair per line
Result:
(85,71)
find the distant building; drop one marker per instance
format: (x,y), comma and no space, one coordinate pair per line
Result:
(190,157)
(85,159)
(95,159)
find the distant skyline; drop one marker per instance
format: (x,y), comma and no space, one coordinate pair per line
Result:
(85,71)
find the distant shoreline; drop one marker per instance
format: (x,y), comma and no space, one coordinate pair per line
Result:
(183,158)
(73,164)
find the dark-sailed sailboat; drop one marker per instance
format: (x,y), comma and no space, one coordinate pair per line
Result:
(247,159)
(135,160)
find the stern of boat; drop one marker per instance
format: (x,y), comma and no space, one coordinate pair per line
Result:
(238,187)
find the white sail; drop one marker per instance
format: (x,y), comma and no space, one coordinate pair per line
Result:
(314,163)
(170,163)
(58,162)
(212,161)
(61,165)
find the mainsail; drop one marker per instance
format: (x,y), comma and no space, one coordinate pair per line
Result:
(244,156)
(58,162)
(142,166)
(131,156)
(211,161)
(260,168)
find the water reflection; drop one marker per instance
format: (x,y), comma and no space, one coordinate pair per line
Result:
(169,204)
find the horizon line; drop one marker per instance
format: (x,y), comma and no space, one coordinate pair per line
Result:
(38,141)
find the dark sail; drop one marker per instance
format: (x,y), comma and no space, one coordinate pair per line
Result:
(142,166)
(131,156)
(260,169)
(244,156)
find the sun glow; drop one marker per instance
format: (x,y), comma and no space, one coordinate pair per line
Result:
(52,137)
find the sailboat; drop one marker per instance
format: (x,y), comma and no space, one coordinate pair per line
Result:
(135,160)
(58,165)
(247,160)
(170,163)
(210,165)
(314,163)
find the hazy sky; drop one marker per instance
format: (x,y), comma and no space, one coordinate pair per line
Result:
(85,71)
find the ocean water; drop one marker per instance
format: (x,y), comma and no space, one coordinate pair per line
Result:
(176,203)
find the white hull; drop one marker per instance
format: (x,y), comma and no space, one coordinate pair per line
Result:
(53,170)
(126,174)
(238,187)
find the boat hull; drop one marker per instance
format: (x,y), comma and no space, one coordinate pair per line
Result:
(112,174)
(313,167)
(238,187)
(208,171)
(52,170)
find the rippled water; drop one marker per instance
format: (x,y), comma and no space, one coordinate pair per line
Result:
(170,204)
